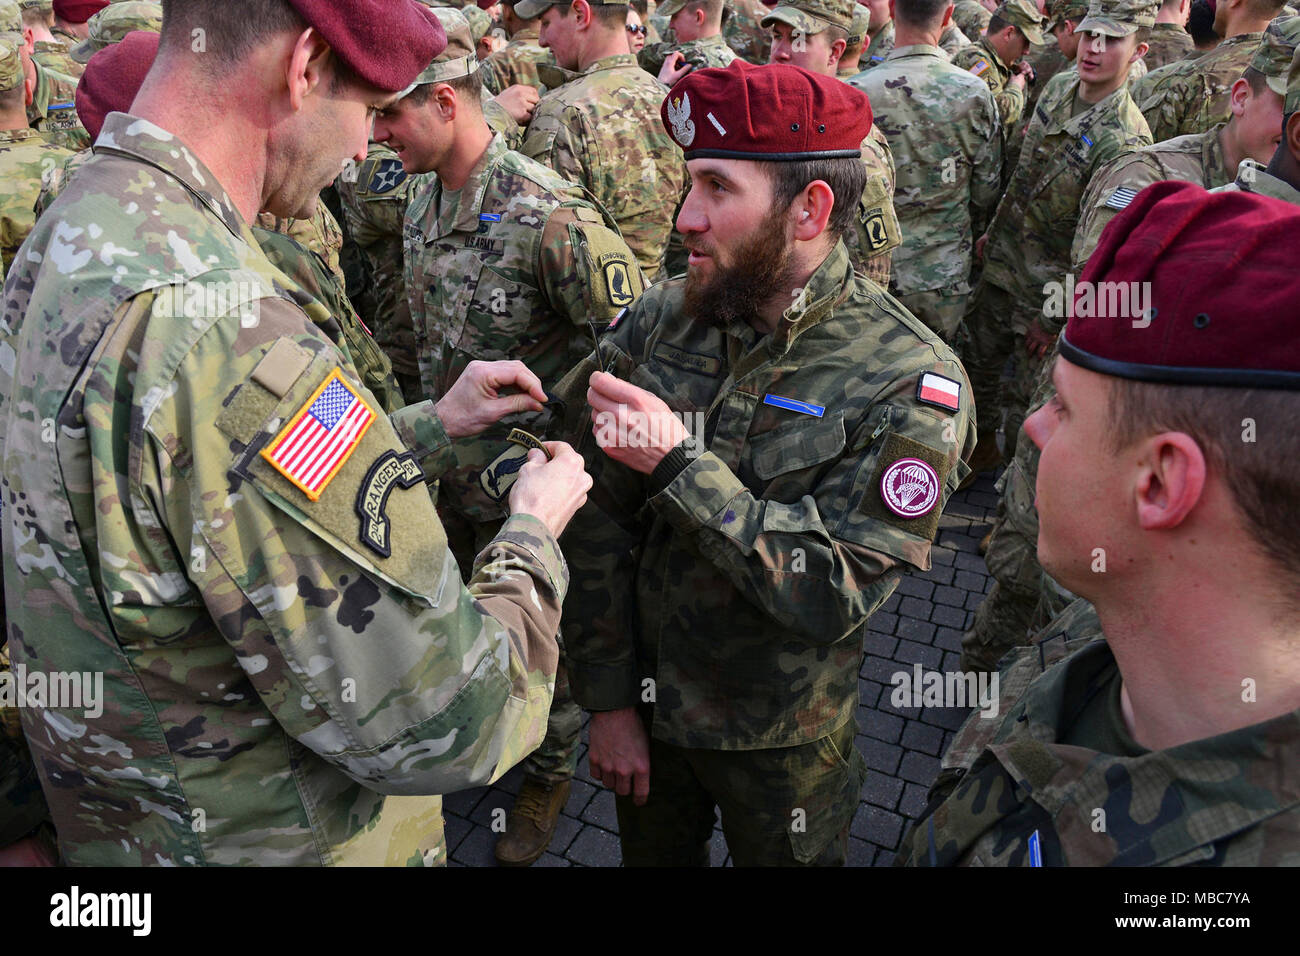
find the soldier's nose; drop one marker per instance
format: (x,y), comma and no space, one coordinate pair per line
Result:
(1038,426)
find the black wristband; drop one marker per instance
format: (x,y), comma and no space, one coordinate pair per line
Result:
(672,465)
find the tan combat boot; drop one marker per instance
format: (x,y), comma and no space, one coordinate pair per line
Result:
(531,822)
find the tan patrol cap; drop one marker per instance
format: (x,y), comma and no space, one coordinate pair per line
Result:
(114,22)
(1292,102)
(11,66)
(1024,16)
(1118,18)
(813,16)
(1060,10)
(1273,55)
(11,18)
(458,59)
(861,24)
(532,9)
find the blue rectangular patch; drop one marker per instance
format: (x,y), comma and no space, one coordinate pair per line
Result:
(1086,141)
(489,217)
(1035,849)
(794,405)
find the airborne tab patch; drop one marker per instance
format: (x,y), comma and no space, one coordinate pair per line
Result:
(320,438)
(1121,197)
(499,477)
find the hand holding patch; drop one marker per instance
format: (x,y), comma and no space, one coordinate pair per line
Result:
(632,426)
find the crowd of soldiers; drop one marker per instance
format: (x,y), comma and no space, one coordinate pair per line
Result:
(391,382)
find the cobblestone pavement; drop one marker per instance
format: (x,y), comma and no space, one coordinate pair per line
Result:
(922,622)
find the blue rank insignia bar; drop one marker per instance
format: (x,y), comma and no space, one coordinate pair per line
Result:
(794,405)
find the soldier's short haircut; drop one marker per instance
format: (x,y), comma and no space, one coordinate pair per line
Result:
(230,31)
(35,16)
(1143,34)
(996,25)
(1260,476)
(469,89)
(1257,80)
(1200,23)
(1266,8)
(608,15)
(712,9)
(920,13)
(846,176)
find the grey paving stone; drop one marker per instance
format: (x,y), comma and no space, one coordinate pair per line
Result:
(717,849)
(942,556)
(881,645)
(580,794)
(949,718)
(882,726)
(868,692)
(455,829)
(911,652)
(861,853)
(912,607)
(971,561)
(595,847)
(882,790)
(917,587)
(878,754)
(974,599)
(890,603)
(923,737)
(919,768)
(881,827)
(550,859)
(951,596)
(476,848)
(946,616)
(601,812)
(940,574)
(566,831)
(949,638)
(883,621)
(970,581)
(879,669)
(915,630)
(914,800)
(463,802)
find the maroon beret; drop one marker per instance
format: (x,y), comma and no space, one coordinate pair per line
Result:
(78,11)
(774,112)
(113,77)
(484,4)
(1215,282)
(387,43)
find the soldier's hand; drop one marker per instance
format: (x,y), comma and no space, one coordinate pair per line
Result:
(674,68)
(632,426)
(519,101)
(619,753)
(1037,342)
(475,401)
(980,243)
(551,491)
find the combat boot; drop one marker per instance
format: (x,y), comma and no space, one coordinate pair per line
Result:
(531,822)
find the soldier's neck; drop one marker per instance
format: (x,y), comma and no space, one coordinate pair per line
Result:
(1245,24)
(906,35)
(41,33)
(873,31)
(1095,93)
(471,142)
(1232,154)
(601,45)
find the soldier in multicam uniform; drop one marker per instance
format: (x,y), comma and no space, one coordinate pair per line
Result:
(517,61)
(942,126)
(601,130)
(995,56)
(1076,129)
(1170,41)
(116,21)
(231,534)
(25,157)
(724,574)
(50,109)
(1281,178)
(1191,96)
(880,33)
(811,34)
(697,27)
(971,17)
(744,30)
(1128,736)
(1209,159)
(504,260)
(47,49)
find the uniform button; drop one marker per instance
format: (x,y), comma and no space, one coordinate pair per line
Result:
(1201,320)
(794,127)
(821,128)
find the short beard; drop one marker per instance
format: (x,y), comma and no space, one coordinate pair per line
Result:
(761,270)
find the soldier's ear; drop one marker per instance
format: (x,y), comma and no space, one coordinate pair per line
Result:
(308,66)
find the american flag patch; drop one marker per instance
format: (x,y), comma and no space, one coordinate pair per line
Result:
(311,449)
(979,67)
(1121,197)
(939,391)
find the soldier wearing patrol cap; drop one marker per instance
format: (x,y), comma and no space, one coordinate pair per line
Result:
(1170,41)
(1140,730)
(503,260)
(601,129)
(24,157)
(285,641)
(811,34)
(517,61)
(47,49)
(50,108)
(1281,179)
(116,21)
(697,28)
(757,498)
(995,56)
(849,66)
(1190,96)
(1077,129)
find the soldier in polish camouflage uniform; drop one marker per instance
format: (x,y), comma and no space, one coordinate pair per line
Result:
(602,131)
(517,61)
(25,157)
(1191,96)
(700,45)
(744,30)
(513,263)
(291,664)
(993,56)
(724,575)
(1076,129)
(1170,41)
(810,34)
(1209,159)
(114,22)
(1129,738)
(942,126)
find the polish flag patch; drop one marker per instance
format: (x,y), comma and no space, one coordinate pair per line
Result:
(939,391)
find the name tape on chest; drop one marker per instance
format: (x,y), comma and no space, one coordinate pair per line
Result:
(321,436)
(939,391)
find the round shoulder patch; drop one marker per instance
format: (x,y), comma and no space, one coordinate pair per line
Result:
(910,488)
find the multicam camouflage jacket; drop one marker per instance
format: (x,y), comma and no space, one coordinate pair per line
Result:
(1033,228)
(203,505)
(700,54)
(737,596)
(513,265)
(983,61)
(1011,793)
(25,159)
(602,131)
(1190,96)
(971,17)
(1255,178)
(942,127)
(1169,43)
(1197,158)
(875,233)
(879,46)
(743,28)
(53,110)
(516,62)
(53,55)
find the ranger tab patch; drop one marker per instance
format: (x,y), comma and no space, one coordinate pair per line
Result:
(499,477)
(320,438)
(390,469)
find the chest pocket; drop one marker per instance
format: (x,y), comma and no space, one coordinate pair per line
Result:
(496,325)
(780,456)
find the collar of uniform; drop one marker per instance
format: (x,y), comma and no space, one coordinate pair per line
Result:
(459,211)
(40,104)
(1213,162)
(529,34)
(1059,110)
(885,35)
(1058,776)
(1002,68)
(8,136)
(1169,27)
(611,63)
(825,289)
(1254,178)
(127,135)
(917,49)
